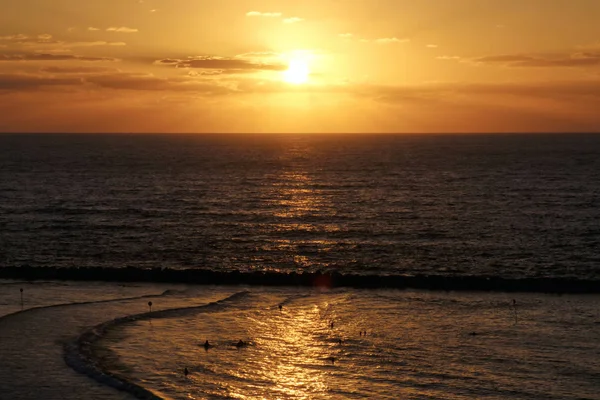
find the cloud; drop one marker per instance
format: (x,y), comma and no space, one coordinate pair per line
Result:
(264,14)
(45,40)
(18,82)
(147,82)
(568,92)
(77,70)
(558,91)
(92,44)
(129,81)
(572,60)
(288,20)
(227,65)
(584,59)
(91,28)
(121,29)
(441,107)
(14,38)
(259,54)
(51,57)
(390,40)
(168,61)
(202,71)
(432,46)
(292,20)
(382,41)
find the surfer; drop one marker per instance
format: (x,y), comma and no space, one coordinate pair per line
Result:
(241,343)
(186,372)
(206,345)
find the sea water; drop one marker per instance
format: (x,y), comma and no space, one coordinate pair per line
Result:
(321,344)
(440,207)
(499,206)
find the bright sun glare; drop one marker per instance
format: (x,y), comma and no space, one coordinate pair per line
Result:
(297,72)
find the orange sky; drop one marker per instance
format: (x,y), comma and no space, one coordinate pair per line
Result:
(299,66)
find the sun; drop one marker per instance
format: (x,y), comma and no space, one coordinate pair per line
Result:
(298,71)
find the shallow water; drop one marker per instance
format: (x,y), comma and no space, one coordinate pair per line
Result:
(32,341)
(418,345)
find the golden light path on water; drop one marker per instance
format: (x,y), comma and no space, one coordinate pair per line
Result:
(295,194)
(285,350)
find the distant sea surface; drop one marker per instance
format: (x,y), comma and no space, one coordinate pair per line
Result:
(512,206)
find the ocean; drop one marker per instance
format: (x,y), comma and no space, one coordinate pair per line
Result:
(465,258)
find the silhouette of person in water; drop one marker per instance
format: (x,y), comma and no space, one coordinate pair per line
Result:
(186,372)
(206,345)
(241,343)
(331,325)
(280,307)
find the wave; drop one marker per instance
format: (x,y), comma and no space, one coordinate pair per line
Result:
(557,285)
(80,356)
(79,303)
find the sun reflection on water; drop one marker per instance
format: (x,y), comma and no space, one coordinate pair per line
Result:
(289,354)
(303,208)
(296,197)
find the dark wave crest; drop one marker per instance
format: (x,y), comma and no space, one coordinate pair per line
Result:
(318,279)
